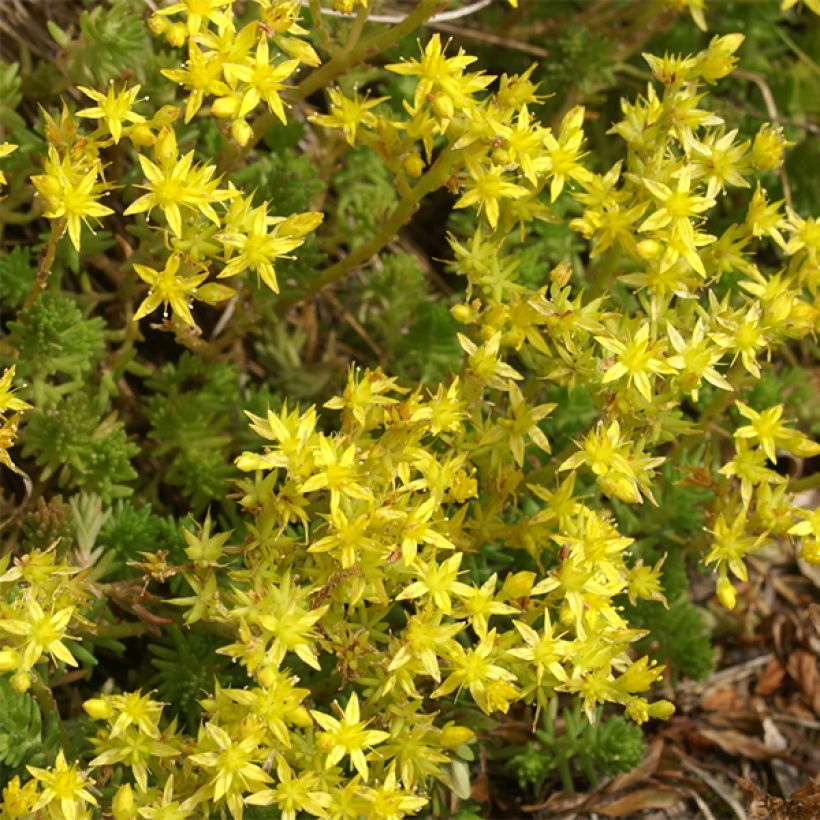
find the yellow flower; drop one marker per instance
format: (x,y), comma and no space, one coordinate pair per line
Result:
(293,794)
(731,545)
(233,767)
(64,785)
(256,246)
(486,186)
(637,360)
(201,74)
(71,192)
(349,737)
(41,633)
(113,107)
(564,153)
(264,80)
(348,113)
(168,288)
(177,183)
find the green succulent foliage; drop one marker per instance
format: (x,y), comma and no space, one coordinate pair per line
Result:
(112,40)
(390,295)
(24,738)
(586,750)
(281,353)
(186,665)
(288,181)
(430,349)
(83,444)
(48,522)
(11,95)
(132,528)
(194,409)
(580,60)
(680,635)
(56,338)
(365,193)
(16,276)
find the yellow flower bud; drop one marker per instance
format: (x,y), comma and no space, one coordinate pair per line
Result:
(141,135)
(561,274)
(648,248)
(414,165)
(98,708)
(661,710)
(9,659)
(224,107)
(518,585)
(21,682)
(726,593)
(158,24)
(443,107)
(123,805)
(452,736)
(241,132)
(463,314)
(167,115)
(176,34)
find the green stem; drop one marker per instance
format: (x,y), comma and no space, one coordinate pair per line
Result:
(46,263)
(436,176)
(806,482)
(47,704)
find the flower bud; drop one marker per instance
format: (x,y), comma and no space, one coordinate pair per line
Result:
(561,274)
(452,736)
(443,107)
(158,25)
(224,106)
(414,165)
(141,135)
(726,593)
(9,659)
(21,682)
(241,132)
(517,585)
(167,115)
(648,248)
(98,708)
(463,314)
(176,34)
(661,710)
(123,805)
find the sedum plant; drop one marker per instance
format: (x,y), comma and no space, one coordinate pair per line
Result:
(379,567)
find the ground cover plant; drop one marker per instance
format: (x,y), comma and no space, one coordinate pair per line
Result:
(408,409)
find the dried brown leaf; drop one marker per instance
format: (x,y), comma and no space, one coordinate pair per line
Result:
(736,743)
(802,667)
(771,678)
(630,804)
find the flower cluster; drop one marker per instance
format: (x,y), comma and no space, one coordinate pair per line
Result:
(408,561)
(236,66)
(201,221)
